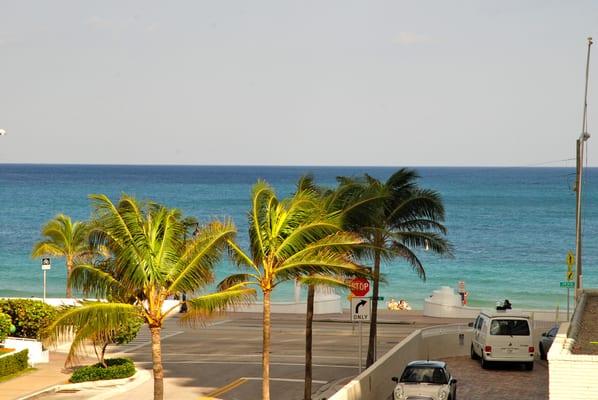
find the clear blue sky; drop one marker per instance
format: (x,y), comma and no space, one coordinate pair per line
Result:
(334,82)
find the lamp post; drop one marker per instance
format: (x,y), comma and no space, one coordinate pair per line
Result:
(580,147)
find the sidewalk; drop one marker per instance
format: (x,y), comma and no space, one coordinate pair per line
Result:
(43,376)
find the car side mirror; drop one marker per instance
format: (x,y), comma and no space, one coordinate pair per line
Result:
(470,324)
(395,379)
(544,334)
(454,380)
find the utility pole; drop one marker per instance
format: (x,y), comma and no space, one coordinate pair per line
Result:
(580,147)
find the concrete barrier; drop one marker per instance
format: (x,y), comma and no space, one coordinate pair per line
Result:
(36,353)
(445,303)
(375,383)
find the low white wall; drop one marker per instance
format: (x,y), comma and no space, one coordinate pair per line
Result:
(36,353)
(329,306)
(323,304)
(375,383)
(433,309)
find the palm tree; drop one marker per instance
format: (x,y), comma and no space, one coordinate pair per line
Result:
(407,218)
(63,238)
(146,260)
(332,201)
(289,239)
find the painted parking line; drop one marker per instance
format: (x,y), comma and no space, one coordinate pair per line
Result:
(221,390)
(284,380)
(239,381)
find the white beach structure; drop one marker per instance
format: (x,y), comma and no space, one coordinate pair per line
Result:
(446,303)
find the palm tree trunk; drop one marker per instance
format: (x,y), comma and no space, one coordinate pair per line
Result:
(157,363)
(69,267)
(266,348)
(308,341)
(374,318)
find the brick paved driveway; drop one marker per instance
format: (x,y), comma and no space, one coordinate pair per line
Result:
(500,382)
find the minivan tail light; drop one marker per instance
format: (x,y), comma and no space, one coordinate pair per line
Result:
(488,349)
(531,349)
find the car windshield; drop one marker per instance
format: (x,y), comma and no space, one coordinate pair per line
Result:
(509,327)
(424,375)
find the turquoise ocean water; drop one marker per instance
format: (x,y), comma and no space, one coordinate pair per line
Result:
(511,227)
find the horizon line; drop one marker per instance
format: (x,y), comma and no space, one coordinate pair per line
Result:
(287,165)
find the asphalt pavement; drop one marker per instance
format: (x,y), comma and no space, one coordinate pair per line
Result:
(223,358)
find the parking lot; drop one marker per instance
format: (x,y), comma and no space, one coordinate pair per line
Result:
(500,382)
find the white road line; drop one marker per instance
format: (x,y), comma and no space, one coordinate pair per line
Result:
(133,348)
(283,380)
(250,363)
(252,355)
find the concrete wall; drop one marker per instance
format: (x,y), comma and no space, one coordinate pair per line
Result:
(324,303)
(445,303)
(36,353)
(572,376)
(375,383)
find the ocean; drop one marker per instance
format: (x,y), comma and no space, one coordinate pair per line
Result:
(511,227)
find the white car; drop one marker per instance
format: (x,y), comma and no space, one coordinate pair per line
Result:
(425,380)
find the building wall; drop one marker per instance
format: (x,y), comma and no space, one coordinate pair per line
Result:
(572,376)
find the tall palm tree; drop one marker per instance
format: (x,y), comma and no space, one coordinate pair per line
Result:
(332,202)
(406,219)
(146,260)
(63,238)
(290,238)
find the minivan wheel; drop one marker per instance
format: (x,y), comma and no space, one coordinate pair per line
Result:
(485,364)
(473,354)
(529,366)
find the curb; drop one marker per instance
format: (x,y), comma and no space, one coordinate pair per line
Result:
(113,386)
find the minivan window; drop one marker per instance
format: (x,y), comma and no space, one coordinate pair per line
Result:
(510,327)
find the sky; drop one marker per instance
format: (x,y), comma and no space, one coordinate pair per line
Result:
(325,82)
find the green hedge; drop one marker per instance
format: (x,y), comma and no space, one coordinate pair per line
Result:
(14,363)
(5,325)
(117,368)
(28,316)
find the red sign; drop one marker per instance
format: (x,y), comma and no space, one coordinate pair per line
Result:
(360,287)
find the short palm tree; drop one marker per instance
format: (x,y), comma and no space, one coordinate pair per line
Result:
(146,260)
(407,218)
(289,239)
(63,238)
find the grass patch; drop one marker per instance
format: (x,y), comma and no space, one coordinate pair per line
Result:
(16,374)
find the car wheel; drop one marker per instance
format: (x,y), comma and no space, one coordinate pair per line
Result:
(473,354)
(485,364)
(542,352)
(529,366)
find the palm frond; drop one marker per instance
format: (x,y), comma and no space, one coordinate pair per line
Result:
(235,280)
(202,307)
(195,268)
(325,280)
(91,319)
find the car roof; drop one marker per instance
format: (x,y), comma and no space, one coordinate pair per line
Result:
(506,313)
(429,364)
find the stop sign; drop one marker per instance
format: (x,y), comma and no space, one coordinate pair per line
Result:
(360,287)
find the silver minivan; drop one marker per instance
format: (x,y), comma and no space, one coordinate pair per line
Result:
(503,335)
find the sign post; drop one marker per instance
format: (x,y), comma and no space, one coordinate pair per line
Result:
(46,265)
(569,275)
(361,309)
